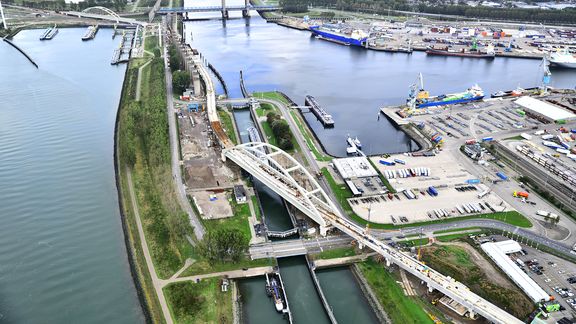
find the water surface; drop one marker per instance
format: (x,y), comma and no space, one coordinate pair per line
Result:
(62,252)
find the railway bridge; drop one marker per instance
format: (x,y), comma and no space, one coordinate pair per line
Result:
(282,173)
(224,9)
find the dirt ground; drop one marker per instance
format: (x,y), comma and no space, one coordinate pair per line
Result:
(219,207)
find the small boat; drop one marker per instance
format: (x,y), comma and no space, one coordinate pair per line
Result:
(274,290)
(357,142)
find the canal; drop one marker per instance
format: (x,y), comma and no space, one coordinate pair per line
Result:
(351,83)
(345,296)
(62,252)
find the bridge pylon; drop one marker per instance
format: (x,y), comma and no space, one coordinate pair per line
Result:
(246,11)
(224,10)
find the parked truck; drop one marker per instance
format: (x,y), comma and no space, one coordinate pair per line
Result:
(548,214)
(520,194)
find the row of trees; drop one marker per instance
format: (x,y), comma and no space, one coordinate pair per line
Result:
(116,5)
(224,245)
(567,15)
(281,131)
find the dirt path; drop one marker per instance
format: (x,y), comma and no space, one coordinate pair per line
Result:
(157,282)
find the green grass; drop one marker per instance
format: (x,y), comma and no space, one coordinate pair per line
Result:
(416,242)
(201,266)
(308,137)
(335,253)
(342,192)
(151,43)
(453,237)
(265,108)
(202,302)
(272,95)
(455,230)
(227,121)
(239,221)
(268,133)
(256,208)
(400,308)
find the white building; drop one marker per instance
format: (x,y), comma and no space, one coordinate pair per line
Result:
(498,253)
(544,110)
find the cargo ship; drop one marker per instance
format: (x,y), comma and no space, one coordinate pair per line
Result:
(423,99)
(339,34)
(563,59)
(325,118)
(49,33)
(473,52)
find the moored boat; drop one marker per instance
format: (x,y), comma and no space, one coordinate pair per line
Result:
(339,34)
(563,59)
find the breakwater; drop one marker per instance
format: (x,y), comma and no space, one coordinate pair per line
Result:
(21,51)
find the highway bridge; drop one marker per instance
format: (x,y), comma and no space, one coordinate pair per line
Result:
(216,9)
(283,174)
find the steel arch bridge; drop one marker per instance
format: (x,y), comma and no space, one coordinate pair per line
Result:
(282,173)
(108,11)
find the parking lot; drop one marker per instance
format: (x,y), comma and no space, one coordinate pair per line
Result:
(553,278)
(450,201)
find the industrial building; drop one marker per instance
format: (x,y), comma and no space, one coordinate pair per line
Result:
(240,194)
(498,253)
(544,111)
(354,167)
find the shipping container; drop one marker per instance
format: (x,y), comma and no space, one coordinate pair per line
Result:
(470,141)
(433,191)
(487,139)
(473,181)
(520,194)
(502,176)
(547,136)
(526,136)
(387,163)
(399,161)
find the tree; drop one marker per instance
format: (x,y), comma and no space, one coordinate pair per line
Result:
(180,81)
(224,245)
(175,62)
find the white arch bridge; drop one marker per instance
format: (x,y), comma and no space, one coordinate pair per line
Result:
(102,13)
(282,173)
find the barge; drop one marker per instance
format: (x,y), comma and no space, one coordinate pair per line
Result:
(325,118)
(90,33)
(49,33)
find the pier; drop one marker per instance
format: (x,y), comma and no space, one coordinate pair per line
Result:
(319,112)
(21,51)
(219,77)
(122,53)
(245,93)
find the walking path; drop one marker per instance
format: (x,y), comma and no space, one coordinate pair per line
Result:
(252,272)
(157,282)
(139,80)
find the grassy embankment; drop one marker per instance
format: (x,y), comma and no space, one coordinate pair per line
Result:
(455,262)
(273,95)
(342,193)
(202,302)
(148,157)
(256,208)
(226,119)
(401,308)
(335,253)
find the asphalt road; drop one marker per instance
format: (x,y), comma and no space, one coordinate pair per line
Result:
(176,172)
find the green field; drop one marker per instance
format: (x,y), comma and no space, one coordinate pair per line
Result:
(456,230)
(335,253)
(272,95)
(400,308)
(256,208)
(201,302)
(308,137)
(227,121)
(238,221)
(202,266)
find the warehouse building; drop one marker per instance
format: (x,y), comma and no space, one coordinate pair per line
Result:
(498,253)
(544,111)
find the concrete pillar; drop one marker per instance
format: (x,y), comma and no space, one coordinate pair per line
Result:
(224,10)
(388,262)
(430,288)
(471,313)
(323,230)
(246,11)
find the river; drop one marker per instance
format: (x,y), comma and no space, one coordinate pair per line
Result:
(351,83)
(62,252)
